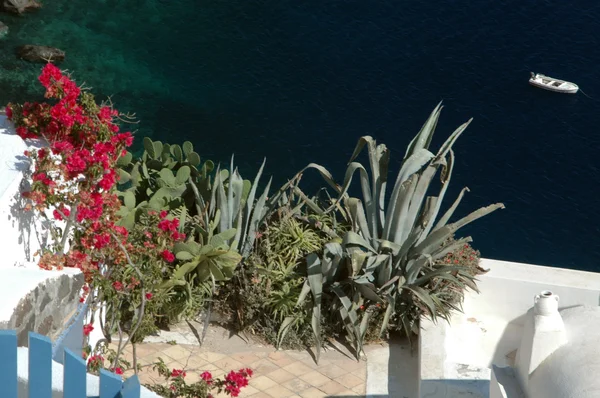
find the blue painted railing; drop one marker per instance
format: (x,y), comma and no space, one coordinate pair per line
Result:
(40,372)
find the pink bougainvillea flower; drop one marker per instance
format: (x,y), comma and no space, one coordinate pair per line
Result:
(87,329)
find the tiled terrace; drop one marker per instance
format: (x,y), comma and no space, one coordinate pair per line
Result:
(277,374)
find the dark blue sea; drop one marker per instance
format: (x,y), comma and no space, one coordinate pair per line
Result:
(301,81)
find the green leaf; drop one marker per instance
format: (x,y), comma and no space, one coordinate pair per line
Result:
(368,291)
(149,147)
(129,200)
(286,325)
(158,147)
(124,177)
(187,148)
(423,138)
(184,256)
(424,297)
(167,176)
(182,175)
(191,247)
(193,158)
(125,159)
(177,152)
(222,238)
(315,281)
(391,299)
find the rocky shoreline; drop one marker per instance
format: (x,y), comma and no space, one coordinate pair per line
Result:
(29,52)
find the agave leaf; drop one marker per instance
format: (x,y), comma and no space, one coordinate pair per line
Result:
(391,299)
(446,217)
(368,291)
(359,219)
(303,293)
(423,138)
(469,281)
(283,329)
(424,297)
(383,156)
(449,248)
(324,173)
(389,282)
(352,238)
(349,316)
(384,273)
(446,176)
(435,239)
(409,168)
(249,206)
(444,273)
(315,280)
(222,202)
(236,188)
(416,203)
(212,207)
(413,268)
(447,146)
(398,216)
(362,331)
(258,216)
(374,196)
(362,141)
(235,176)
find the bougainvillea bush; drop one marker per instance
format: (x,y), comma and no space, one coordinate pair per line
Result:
(74,176)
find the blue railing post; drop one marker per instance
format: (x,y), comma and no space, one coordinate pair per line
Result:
(40,366)
(75,376)
(131,388)
(8,363)
(40,372)
(110,384)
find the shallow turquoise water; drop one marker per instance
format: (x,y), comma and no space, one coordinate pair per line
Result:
(301,81)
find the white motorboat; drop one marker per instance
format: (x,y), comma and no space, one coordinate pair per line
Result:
(552,84)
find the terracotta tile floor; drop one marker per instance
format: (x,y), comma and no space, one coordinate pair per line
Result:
(277,374)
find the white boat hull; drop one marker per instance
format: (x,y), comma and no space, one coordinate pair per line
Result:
(555,85)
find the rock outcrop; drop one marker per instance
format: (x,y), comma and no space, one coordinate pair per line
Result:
(20,6)
(40,54)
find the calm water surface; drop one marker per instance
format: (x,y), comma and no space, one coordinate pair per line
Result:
(301,81)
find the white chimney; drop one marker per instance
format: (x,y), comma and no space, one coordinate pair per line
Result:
(543,334)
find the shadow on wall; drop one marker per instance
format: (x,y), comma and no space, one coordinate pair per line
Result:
(29,227)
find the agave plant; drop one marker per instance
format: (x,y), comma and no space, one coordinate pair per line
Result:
(388,256)
(235,200)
